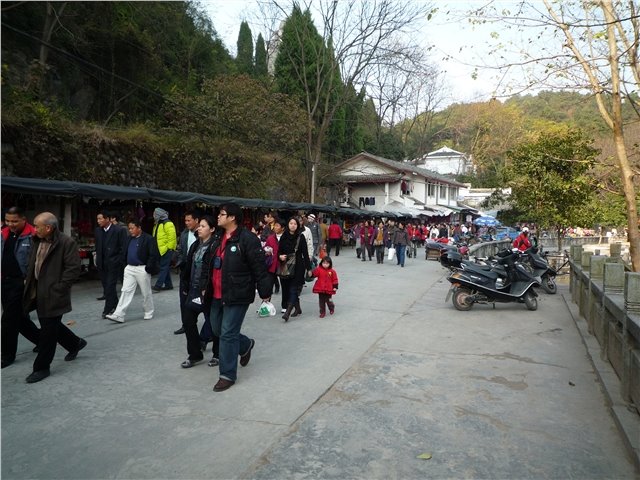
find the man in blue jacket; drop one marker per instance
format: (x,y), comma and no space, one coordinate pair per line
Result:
(143,260)
(237,268)
(17,239)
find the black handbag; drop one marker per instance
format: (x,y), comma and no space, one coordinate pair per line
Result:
(287,269)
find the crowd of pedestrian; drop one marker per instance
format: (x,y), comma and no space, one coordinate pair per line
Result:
(222,264)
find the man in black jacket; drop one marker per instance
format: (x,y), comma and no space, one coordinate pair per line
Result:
(238,267)
(143,260)
(111,251)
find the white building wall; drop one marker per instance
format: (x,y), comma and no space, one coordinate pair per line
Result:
(376,191)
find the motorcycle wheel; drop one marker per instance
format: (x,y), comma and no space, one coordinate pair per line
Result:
(531,301)
(549,284)
(460,300)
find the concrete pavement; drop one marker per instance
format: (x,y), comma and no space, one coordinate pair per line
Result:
(395,373)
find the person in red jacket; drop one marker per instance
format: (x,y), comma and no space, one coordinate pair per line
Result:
(522,241)
(335,237)
(326,285)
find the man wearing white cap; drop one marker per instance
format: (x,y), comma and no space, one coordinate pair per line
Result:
(315,232)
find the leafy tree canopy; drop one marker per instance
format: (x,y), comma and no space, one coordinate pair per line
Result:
(549,178)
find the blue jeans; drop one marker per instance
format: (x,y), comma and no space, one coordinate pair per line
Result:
(164,276)
(226,321)
(400,251)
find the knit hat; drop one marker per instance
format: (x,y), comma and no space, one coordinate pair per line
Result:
(159,214)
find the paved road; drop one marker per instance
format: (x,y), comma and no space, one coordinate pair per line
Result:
(395,373)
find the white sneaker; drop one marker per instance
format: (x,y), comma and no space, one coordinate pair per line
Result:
(284,310)
(150,317)
(115,318)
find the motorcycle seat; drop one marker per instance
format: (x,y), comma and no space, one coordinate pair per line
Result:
(484,270)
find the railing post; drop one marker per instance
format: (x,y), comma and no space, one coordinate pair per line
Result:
(632,308)
(615,250)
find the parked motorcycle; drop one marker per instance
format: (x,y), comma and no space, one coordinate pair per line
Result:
(452,252)
(540,268)
(484,284)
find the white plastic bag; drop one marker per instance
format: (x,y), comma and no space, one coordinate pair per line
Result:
(266,309)
(391,254)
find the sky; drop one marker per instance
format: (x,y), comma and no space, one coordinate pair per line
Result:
(461,43)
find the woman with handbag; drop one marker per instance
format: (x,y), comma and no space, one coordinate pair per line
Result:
(198,260)
(293,263)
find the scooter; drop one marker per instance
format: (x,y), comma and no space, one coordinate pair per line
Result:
(541,269)
(478,285)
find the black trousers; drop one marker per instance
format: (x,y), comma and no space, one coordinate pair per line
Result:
(52,332)
(14,320)
(110,275)
(190,324)
(206,332)
(334,242)
(324,299)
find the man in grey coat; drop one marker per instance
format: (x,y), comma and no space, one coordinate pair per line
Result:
(54,264)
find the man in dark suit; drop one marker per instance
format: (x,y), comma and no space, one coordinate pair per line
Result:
(111,250)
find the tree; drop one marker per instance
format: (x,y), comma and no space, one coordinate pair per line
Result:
(103,61)
(260,67)
(583,45)
(321,67)
(549,178)
(244,59)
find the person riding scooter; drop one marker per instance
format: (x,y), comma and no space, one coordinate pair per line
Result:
(522,241)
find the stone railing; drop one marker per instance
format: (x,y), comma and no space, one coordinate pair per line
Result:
(486,249)
(608,297)
(551,243)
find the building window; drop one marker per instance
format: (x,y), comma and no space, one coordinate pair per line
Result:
(431,190)
(443,192)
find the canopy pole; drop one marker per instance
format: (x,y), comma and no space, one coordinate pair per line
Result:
(67,216)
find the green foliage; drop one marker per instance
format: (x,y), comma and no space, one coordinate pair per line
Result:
(261,58)
(158,47)
(244,59)
(549,178)
(570,108)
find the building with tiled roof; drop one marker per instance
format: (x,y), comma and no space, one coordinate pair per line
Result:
(376,183)
(445,161)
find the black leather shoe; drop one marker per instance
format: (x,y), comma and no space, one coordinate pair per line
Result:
(37,376)
(180,331)
(104,314)
(244,359)
(222,385)
(190,363)
(7,361)
(101,298)
(72,355)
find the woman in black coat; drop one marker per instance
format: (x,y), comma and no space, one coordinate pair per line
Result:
(292,242)
(197,267)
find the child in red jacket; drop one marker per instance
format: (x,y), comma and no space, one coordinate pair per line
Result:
(326,285)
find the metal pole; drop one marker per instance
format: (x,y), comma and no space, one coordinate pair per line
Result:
(313,183)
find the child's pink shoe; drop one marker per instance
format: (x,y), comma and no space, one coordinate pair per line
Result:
(322,315)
